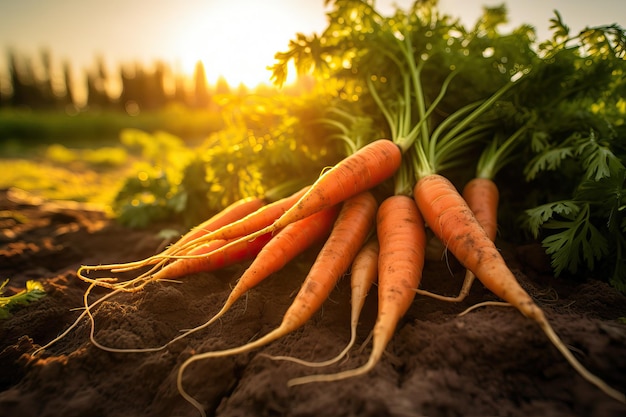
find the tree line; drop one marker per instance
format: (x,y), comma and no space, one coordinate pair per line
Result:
(143,88)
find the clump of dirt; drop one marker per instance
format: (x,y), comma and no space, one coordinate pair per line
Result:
(491,361)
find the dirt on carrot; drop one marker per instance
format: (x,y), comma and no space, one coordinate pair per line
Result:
(482,196)
(435,365)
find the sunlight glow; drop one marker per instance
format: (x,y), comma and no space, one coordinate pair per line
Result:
(234,40)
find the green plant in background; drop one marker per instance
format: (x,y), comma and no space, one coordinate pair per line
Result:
(147,198)
(152,193)
(20,130)
(266,142)
(578,152)
(103,157)
(33,291)
(57,181)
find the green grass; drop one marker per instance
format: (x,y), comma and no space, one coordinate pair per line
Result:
(89,175)
(79,157)
(21,130)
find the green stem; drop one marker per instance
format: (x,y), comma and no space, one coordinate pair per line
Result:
(457,154)
(334,123)
(416,73)
(494,156)
(421,163)
(477,112)
(384,109)
(352,147)
(451,120)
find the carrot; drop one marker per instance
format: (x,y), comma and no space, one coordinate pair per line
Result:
(270,256)
(225,226)
(282,248)
(359,172)
(240,218)
(349,232)
(205,257)
(451,219)
(209,257)
(363,274)
(196,260)
(231,213)
(242,226)
(402,239)
(481,195)
(252,222)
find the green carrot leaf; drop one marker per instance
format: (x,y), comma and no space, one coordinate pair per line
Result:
(579,240)
(597,159)
(34,291)
(549,160)
(539,215)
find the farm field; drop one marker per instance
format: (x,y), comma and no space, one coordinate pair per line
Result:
(489,362)
(186,249)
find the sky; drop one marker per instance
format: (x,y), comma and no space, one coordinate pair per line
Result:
(233,38)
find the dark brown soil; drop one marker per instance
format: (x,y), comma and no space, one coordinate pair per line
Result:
(490,362)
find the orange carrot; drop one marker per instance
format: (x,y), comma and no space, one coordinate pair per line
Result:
(349,232)
(481,195)
(363,274)
(240,218)
(286,245)
(282,248)
(230,214)
(242,226)
(203,258)
(210,257)
(359,172)
(402,239)
(254,221)
(451,219)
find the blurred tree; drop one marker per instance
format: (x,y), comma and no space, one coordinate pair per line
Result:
(130,89)
(29,90)
(69,99)
(180,95)
(242,90)
(19,84)
(46,91)
(141,89)
(153,92)
(97,95)
(4,96)
(201,97)
(221,86)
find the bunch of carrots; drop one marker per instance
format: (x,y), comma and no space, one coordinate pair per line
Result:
(384,242)
(379,240)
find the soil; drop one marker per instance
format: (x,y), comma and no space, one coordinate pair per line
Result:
(490,362)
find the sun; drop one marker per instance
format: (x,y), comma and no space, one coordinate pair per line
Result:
(236,40)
